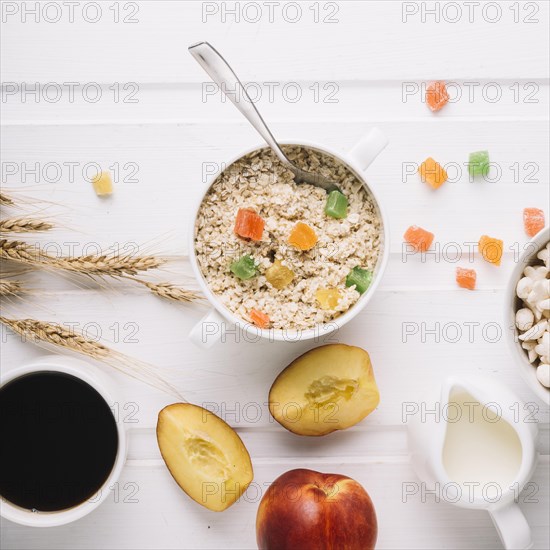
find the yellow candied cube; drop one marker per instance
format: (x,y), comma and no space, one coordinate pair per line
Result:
(279,275)
(328,298)
(103,184)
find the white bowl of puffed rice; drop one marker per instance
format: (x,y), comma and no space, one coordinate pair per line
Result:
(263,283)
(528,316)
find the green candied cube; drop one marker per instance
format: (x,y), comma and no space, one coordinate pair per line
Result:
(361,278)
(244,268)
(478,165)
(337,205)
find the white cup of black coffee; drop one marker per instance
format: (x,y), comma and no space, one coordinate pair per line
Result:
(62,447)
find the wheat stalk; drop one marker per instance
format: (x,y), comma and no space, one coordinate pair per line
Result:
(55,334)
(10,288)
(170,291)
(42,332)
(111,266)
(5,200)
(19,251)
(23,225)
(99,266)
(96,265)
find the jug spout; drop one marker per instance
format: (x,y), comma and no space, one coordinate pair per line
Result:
(428,421)
(481,448)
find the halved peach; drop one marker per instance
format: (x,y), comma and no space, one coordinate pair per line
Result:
(204,454)
(328,388)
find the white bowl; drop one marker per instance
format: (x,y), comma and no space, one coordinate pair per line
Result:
(214,325)
(513,303)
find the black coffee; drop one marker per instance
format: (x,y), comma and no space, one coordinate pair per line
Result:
(58,441)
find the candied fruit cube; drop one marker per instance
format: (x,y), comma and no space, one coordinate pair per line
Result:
(337,205)
(533,220)
(432,173)
(361,278)
(491,249)
(418,238)
(328,298)
(103,184)
(249,225)
(478,164)
(436,95)
(302,236)
(244,268)
(466,278)
(278,275)
(259,318)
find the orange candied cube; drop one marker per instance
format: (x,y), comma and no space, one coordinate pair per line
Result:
(466,278)
(491,249)
(533,220)
(419,238)
(432,173)
(249,225)
(436,95)
(259,318)
(302,236)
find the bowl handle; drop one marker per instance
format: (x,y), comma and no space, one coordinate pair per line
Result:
(368,148)
(512,527)
(209,330)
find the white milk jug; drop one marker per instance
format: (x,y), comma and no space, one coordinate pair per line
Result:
(475,445)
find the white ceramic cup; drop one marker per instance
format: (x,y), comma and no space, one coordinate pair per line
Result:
(104,386)
(513,303)
(213,326)
(426,443)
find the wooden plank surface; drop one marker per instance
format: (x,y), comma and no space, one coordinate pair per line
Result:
(165,130)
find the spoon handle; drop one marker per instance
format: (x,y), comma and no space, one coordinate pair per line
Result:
(223,75)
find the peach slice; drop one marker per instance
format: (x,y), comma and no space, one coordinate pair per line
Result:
(329,388)
(204,454)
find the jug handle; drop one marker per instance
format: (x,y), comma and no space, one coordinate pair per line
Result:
(209,330)
(368,148)
(512,527)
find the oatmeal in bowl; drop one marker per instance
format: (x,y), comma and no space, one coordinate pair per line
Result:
(284,256)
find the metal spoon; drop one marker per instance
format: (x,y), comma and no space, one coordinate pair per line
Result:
(223,75)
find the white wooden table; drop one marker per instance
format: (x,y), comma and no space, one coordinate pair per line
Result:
(355,64)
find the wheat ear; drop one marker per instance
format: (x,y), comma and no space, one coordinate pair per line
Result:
(42,332)
(10,288)
(99,266)
(18,251)
(23,225)
(170,291)
(5,200)
(96,265)
(104,265)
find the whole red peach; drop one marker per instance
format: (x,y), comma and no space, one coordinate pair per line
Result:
(309,510)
